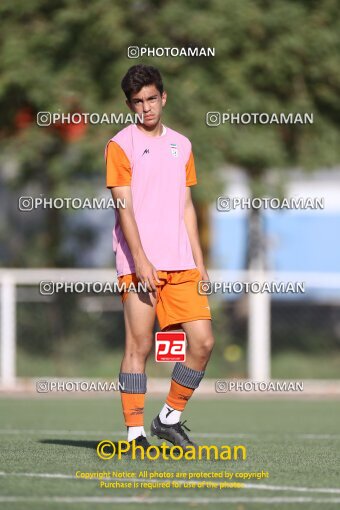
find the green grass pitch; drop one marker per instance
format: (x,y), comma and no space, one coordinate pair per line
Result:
(44,441)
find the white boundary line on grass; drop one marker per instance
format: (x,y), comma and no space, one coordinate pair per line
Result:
(181,482)
(122,433)
(153,500)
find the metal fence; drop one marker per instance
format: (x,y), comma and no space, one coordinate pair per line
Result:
(255,311)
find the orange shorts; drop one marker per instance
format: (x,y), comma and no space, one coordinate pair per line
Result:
(178,299)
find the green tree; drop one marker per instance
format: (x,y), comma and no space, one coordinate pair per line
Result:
(271,56)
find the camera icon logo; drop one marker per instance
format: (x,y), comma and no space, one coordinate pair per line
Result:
(224,204)
(221,386)
(46,288)
(213,119)
(41,386)
(133,52)
(44,119)
(25,203)
(204,287)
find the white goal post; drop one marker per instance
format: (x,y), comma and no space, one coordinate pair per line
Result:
(258,308)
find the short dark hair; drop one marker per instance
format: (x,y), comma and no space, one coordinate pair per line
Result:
(138,77)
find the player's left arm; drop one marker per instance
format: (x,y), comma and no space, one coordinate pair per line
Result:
(190,220)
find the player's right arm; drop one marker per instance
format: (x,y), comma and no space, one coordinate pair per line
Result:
(145,271)
(118,179)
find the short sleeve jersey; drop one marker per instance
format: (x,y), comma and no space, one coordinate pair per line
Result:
(157,169)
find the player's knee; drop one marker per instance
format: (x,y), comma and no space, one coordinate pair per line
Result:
(205,347)
(139,346)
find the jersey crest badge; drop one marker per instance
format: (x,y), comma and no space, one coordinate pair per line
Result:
(174,150)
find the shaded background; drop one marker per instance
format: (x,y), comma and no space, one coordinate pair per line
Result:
(271,56)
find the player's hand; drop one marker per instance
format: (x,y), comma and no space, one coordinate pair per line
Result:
(204,274)
(146,273)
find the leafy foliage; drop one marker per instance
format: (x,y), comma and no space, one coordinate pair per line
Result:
(271,56)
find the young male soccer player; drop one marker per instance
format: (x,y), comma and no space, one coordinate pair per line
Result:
(156,242)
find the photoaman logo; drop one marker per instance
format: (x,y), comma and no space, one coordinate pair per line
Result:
(106,450)
(170,346)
